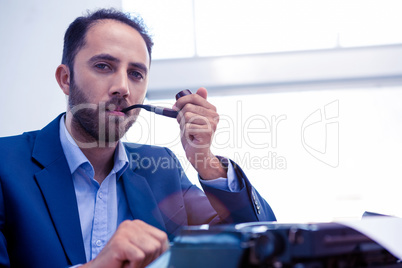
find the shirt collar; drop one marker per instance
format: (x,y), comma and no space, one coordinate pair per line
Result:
(76,158)
(120,160)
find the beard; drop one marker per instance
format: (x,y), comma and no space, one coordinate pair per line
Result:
(93,120)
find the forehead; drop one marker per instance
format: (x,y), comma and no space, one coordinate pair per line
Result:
(117,39)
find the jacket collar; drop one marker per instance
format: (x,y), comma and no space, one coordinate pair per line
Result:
(57,188)
(47,147)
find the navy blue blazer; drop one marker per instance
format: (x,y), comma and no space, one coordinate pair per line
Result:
(39,220)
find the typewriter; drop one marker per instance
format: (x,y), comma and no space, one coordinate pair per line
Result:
(265,244)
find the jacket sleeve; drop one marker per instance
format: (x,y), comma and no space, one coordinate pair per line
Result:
(215,206)
(247,205)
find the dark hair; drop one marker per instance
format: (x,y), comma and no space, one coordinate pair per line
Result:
(74,38)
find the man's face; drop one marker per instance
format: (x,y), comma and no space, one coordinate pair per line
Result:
(110,73)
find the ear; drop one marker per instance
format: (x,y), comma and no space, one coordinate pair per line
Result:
(63,78)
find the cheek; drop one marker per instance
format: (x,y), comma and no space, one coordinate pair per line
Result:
(93,88)
(138,94)
(88,79)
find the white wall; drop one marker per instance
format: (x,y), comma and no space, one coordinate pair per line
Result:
(31,42)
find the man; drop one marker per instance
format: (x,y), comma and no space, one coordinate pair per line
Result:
(73,193)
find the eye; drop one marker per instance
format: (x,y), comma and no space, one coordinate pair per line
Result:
(137,75)
(102,66)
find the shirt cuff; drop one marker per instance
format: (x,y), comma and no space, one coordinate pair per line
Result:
(230,184)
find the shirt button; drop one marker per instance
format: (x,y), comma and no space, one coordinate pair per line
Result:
(98,243)
(100,195)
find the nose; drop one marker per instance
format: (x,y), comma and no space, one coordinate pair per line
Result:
(120,85)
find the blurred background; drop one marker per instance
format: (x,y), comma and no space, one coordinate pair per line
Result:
(308,92)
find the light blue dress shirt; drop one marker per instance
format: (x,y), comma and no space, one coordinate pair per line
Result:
(103,207)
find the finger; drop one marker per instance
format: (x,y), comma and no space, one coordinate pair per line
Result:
(135,257)
(141,252)
(153,240)
(196,130)
(195,119)
(202,92)
(197,115)
(153,231)
(198,136)
(142,241)
(194,99)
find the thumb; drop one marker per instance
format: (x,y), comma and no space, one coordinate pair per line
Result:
(202,92)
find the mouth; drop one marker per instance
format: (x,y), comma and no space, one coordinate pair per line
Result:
(115,110)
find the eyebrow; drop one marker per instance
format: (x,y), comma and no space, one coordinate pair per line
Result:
(109,57)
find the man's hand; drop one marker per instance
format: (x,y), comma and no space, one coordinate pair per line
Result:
(198,120)
(134,244)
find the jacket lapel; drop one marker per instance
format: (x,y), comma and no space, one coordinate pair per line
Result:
(141,200)
(57,188)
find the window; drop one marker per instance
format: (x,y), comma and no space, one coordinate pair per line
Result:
(187,28)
